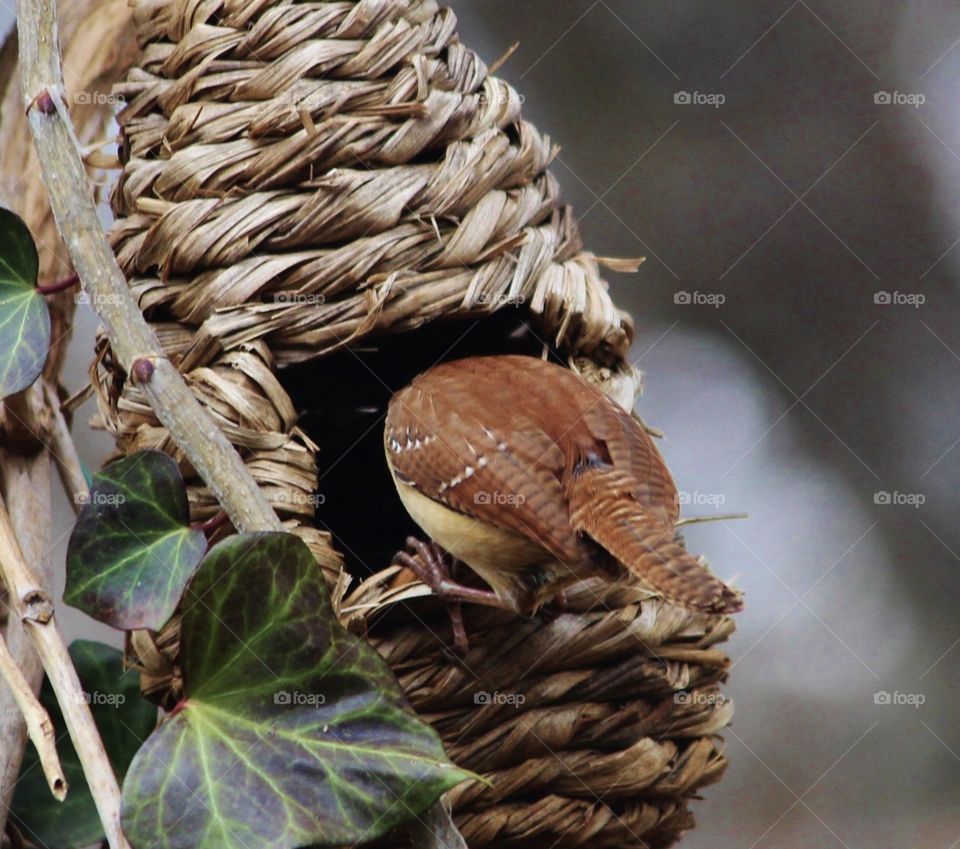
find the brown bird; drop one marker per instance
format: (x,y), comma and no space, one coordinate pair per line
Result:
(535,479)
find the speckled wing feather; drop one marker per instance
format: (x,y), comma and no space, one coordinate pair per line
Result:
(631,450)
(490,463)
(604,505)
(530,447)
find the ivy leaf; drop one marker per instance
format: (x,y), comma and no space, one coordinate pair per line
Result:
(124,719)
(24,320)
(292,732)
(132,550)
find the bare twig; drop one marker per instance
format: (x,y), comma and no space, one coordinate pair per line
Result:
(34,607)
(133,342)
(26,485)
(131,339)
(20,427)
(496,66)
(721,517)
(39,725)
(64,452)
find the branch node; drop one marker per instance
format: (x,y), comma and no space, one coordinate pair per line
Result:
(59,285)
(43,102)
(37,607)
(142,370)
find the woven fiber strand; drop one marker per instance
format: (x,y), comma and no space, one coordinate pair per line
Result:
(98,48)
(299,178)
(356,159)
(593,728)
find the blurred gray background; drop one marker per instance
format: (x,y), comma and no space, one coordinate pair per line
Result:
(800,196)
(812,181)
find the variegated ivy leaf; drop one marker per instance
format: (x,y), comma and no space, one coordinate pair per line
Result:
(24,319)
(132,550)
(292,731)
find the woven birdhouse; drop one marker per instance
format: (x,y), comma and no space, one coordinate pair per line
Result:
(319,201)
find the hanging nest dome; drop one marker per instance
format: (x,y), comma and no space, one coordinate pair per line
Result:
(319,200)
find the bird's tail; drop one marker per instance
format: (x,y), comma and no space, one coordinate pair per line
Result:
(604,506)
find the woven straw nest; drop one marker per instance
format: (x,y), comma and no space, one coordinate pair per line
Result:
(302,185)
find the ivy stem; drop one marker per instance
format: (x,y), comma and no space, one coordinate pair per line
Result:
(213,523)
(59,285)
(131,339)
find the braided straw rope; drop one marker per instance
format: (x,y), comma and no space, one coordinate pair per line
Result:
(578,723)
(301,176)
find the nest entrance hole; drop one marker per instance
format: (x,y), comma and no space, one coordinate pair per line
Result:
(342,401)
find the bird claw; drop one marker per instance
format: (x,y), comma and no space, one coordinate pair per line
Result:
(428,562)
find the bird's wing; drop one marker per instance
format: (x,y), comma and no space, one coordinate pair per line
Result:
(631,450)
(501,469)
(604,504)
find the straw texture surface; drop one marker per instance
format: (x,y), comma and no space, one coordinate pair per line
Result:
(303,178)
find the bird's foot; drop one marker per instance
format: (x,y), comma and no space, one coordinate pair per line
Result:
(556,607)
(429,562)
